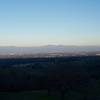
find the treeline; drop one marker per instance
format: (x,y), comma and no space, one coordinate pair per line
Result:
(77,74)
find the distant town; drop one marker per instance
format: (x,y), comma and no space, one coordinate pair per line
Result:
(46,55)
(48,51)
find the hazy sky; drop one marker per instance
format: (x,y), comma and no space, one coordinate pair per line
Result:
(42,22)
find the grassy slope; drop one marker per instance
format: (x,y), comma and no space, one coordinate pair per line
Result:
(32,95)
(43,95)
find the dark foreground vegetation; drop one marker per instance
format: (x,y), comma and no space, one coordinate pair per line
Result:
(66,78)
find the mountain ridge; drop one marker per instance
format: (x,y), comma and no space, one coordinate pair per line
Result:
(47,49)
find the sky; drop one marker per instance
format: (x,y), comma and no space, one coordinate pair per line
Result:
(49,22)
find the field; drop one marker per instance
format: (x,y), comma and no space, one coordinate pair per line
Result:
(65,78)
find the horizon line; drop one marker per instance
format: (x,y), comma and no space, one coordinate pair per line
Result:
(46,45)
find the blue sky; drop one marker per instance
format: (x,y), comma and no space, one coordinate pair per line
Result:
(43,22)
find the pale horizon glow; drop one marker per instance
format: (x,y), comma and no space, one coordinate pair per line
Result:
(49,22)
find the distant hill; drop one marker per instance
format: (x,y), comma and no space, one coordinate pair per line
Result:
(47,49)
